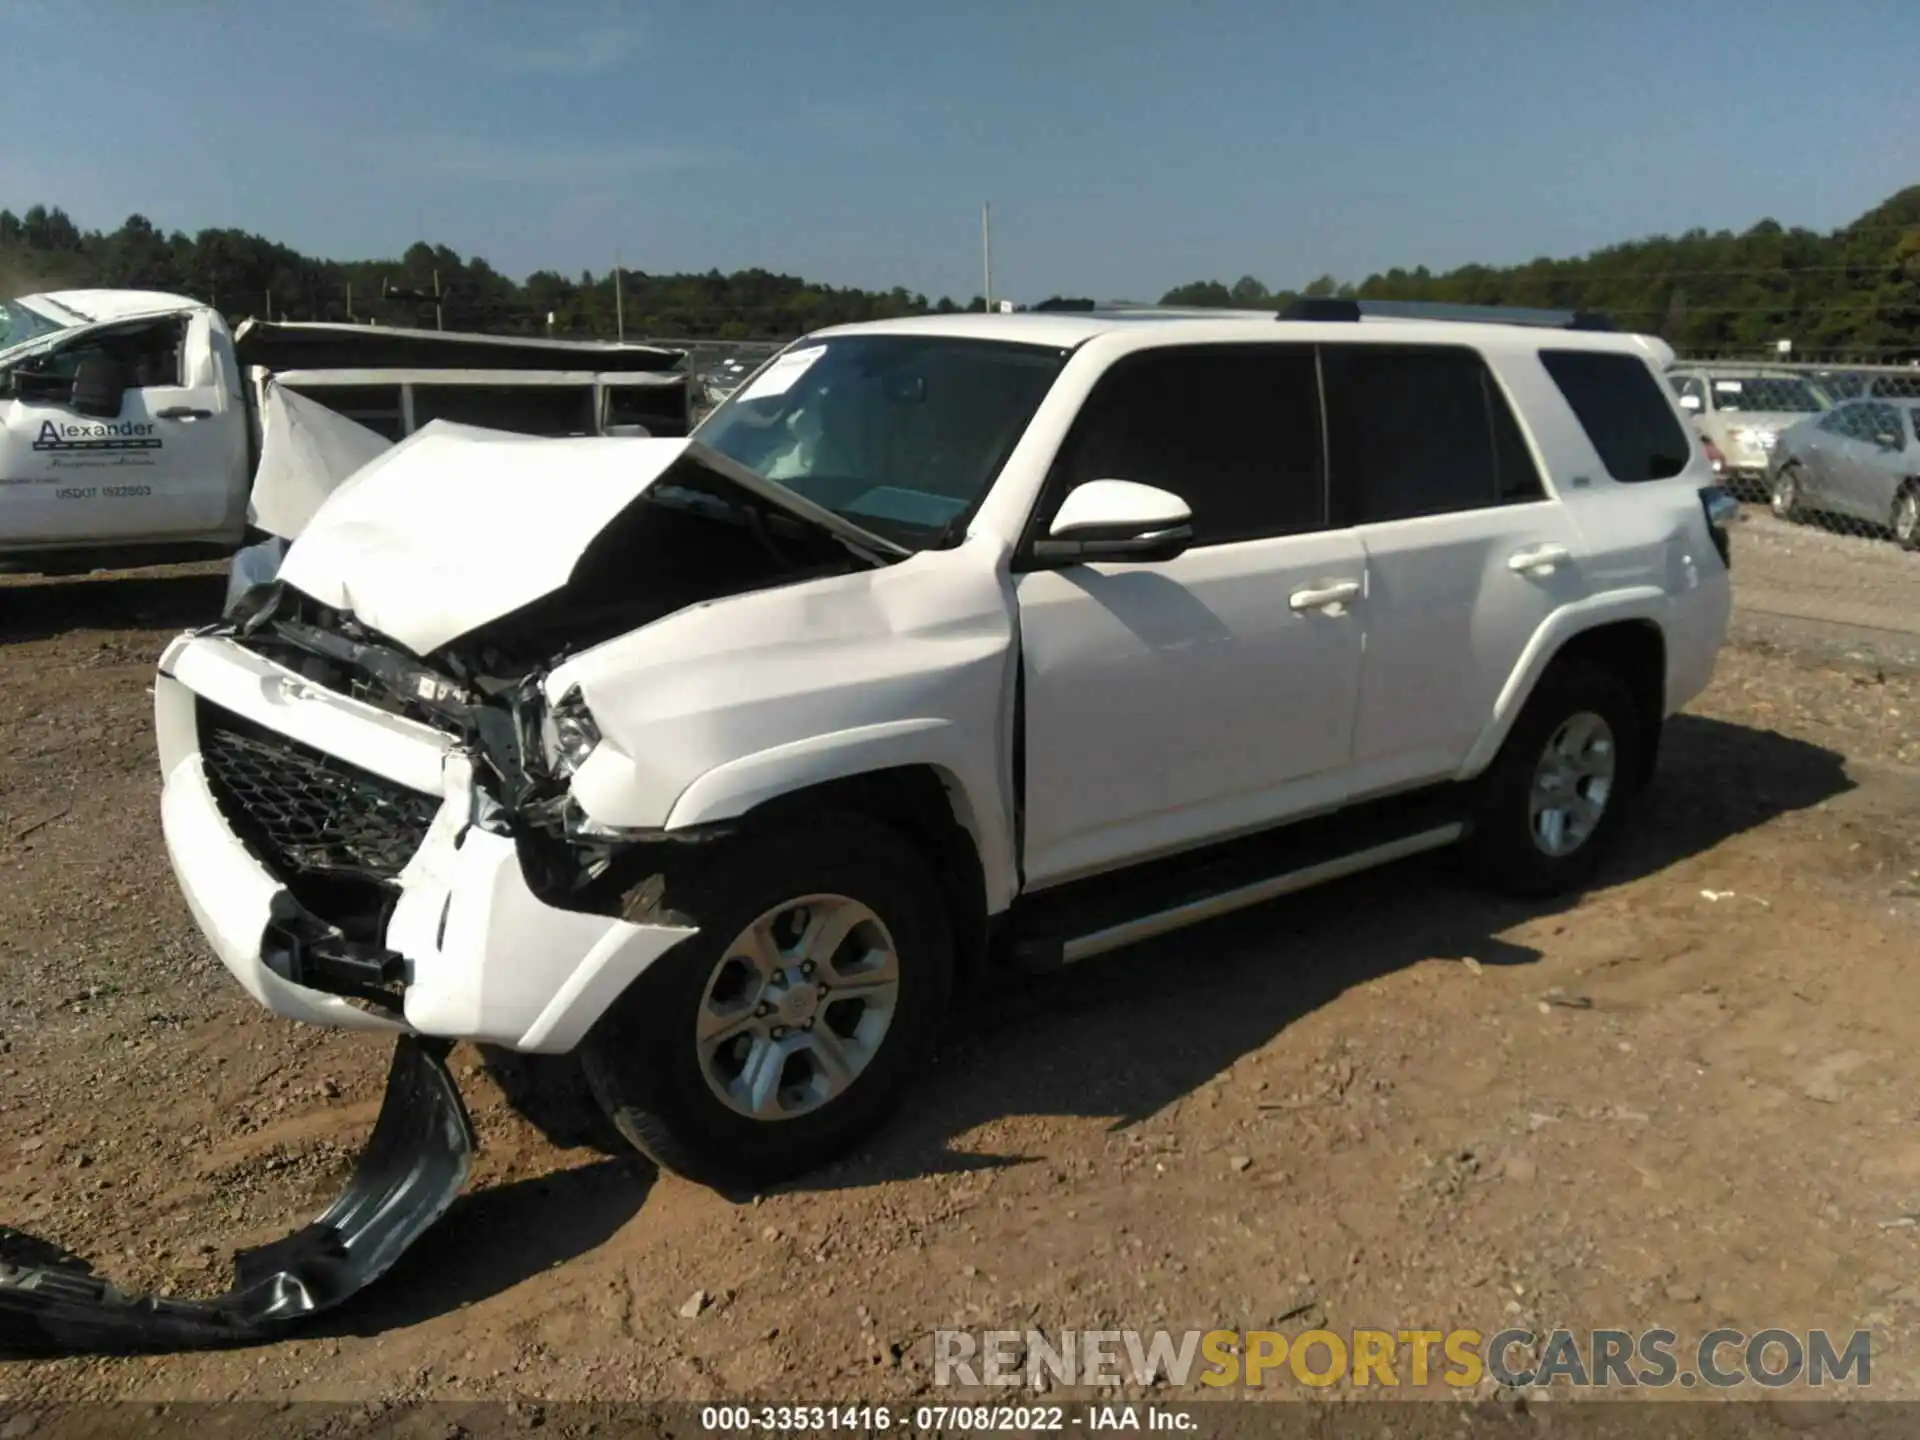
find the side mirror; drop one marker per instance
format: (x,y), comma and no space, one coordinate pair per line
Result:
(1887,440)
(1690,403)
(99,385)
(630,432)
(1117,520)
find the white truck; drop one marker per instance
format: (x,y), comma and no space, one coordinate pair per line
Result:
(133,423)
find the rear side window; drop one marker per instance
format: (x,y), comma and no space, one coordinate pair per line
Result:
(1618,403)
(1233,431)
(1420,430)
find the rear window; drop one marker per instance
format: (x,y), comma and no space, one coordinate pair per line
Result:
(1619,404)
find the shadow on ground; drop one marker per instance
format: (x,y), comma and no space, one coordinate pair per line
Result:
(1128,1034)
(41,609)
(493,1239)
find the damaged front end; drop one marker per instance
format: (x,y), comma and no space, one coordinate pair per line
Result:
(490,697)
(413,1167)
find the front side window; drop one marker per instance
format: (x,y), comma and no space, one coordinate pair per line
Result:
(1618,403)
(1837,420)
(1233,430)
(900,434)
(1421,430)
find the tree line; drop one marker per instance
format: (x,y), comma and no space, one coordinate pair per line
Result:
(243,274)
(1854,289)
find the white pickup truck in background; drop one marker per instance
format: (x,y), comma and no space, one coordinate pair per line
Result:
(136,428)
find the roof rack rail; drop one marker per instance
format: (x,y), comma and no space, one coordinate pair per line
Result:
(1338,309)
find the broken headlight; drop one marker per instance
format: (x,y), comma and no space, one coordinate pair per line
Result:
(567,735)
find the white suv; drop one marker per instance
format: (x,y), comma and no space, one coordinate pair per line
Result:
(945,643)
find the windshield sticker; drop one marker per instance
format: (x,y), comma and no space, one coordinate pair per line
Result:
(778,377)
(1727,387)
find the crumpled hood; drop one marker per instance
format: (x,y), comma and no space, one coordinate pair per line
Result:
(457,526)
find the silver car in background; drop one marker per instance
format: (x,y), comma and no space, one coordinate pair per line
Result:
(1740,411)
(1860,460)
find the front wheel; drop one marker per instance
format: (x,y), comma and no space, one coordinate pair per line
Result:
(1784,497)
(1548,807)
(785,1030)
(1905,521)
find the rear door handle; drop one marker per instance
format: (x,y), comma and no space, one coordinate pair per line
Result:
(183,412)
(1323,597)
(1538,560)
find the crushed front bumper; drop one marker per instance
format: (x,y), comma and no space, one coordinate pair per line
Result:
(413,1166)
(474,954)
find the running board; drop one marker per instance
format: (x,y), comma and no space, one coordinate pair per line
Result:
(1132,932)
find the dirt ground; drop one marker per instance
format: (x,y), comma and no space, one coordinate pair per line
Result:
(1687,1099)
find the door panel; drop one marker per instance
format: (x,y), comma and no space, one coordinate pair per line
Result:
(1466,557)
(168,465)
(1448,616)
(1172,704)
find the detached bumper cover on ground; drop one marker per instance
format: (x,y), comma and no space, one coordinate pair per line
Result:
(414,1164)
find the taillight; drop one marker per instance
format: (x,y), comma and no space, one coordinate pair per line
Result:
(1722,510)
(1714,457)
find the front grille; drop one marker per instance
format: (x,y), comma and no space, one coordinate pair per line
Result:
(305,811)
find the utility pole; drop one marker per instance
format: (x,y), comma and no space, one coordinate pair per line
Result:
(439,312)
(349,302)
(986,257)
(619,302)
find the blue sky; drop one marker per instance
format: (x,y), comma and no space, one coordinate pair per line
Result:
(1126,145)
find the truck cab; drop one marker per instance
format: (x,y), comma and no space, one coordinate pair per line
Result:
(131,421)
(123,423)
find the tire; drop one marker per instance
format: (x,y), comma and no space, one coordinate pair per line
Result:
(1904,520)
(1513,842)
(662,1086)
(1784,493)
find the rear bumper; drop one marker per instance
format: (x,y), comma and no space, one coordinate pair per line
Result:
(475,954)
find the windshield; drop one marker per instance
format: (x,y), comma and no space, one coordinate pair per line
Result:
(18,324)
(900,434)
(1766,394)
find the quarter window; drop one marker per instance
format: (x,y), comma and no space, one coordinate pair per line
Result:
(1618,403)
(1233,430)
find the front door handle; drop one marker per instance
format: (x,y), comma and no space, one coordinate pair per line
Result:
(183,412)
(1324,597)
(1538,560)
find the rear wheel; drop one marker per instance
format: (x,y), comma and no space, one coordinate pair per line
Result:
(1784,497)
(1548,807)
(1905,520)
(785,1030)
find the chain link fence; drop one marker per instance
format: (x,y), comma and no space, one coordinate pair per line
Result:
(1825,450)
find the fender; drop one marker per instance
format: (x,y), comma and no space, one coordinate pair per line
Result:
(1638,602)
(730,790)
